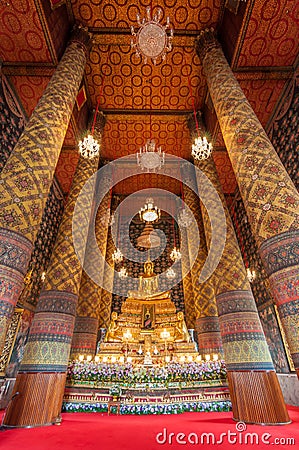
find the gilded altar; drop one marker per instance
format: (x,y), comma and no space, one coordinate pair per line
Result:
(148,330)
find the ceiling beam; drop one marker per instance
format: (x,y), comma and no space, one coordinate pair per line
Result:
(242,73)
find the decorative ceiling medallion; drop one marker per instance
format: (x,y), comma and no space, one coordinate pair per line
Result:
(151,40)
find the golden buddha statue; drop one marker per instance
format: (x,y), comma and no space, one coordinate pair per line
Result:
(181,333)
(112,334)
(145,315)
(148,284)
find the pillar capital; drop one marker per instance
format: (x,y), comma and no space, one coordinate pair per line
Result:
(206,41)
(81,36)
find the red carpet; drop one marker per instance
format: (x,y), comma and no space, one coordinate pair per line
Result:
(96,431)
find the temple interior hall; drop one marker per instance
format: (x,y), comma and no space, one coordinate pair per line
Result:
(149,227)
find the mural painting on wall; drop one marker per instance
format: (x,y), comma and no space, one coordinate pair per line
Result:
(135,269)
(12,121)
(19,345)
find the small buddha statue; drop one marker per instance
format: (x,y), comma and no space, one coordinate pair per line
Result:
(148,323)
(112,332)
(181,333)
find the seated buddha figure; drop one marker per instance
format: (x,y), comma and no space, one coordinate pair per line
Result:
(148,284)
(181,333)
(112,334)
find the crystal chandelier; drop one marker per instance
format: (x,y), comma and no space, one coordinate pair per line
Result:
(117,256)
(175,255)
(170,273)
(149,212)
(251,274)
(150,159)
(89,147)
(184,218)
(201,149)
(151,40)
(123,273)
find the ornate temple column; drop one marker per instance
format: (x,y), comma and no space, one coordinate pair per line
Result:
(187,280)
(254,388)
(43,369)
(203,301)
(27,176)
(270,197)
(90,295)
(106,295)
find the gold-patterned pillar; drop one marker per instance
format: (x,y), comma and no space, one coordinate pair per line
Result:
(269,196)
(28,173)
(43,370)
(203,302)
(187,280)
(90,299)
(106,294)
(254,388)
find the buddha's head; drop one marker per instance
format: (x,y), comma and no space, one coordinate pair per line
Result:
(180,315)
(114,315)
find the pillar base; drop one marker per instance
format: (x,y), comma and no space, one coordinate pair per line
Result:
(257,398)
(36,401)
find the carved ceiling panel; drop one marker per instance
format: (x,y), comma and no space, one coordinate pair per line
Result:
(124,135)
(29,90)
(272,35)
(184,14)
(22,37)
(263,96)
(119,78)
